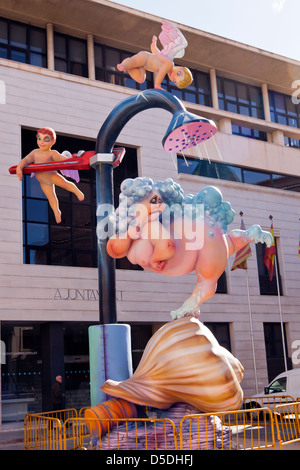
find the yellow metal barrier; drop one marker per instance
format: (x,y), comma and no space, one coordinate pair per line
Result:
(123,434)
(248,429)
(228,431)
(266,401)
(44,431)
(287,419)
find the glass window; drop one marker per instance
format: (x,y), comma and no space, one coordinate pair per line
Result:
(112,58)
(18,35)
(21,370)
(18,56)
(278,385)
(284,111)
(242,93)
(3,52)
(221,331)
(3,32)
(256,177)
(60,46)
(140,335)
(23,43)
(37,234)
(98,55)
(230,90)
(73,241)
(224,171)
(242,99)
(77,51)
(23,377)
(228,172)
(77,370)
(70,55)
(279,102)
(273,333)
(37,41)
(267,286)
(248,132)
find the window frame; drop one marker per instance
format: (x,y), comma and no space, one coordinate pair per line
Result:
(215,168)
(113,75)
(277,115)
(267,287)
(70,64)
(27,50)
(226,103)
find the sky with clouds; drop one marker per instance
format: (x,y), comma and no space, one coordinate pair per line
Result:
(271,25)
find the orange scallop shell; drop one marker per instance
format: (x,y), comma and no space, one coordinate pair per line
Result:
(183,362)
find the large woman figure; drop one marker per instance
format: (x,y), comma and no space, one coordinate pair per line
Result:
(160,229)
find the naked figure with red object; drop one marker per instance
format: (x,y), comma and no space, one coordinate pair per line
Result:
(46,138)
(160,62)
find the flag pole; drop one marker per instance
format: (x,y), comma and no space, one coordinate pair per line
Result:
(251,326)
(279,304)
(251,332)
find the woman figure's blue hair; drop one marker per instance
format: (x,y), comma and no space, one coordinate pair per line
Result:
(136,190)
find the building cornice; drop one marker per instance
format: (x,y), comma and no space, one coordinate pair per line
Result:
(209,112)
(129,29)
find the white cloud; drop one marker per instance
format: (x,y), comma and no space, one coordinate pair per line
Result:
(277,5)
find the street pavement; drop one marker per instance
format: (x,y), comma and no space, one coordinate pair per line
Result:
(12,436)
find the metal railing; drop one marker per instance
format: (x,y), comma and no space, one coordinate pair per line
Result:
(122,434)
(242,429)
(44,431)
(235,430)
(287,420)
(266,401)
(248,429)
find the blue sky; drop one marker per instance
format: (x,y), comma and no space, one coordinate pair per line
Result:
(271,25)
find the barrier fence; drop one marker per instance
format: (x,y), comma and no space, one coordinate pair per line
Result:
(122,434)
(266,401)
(237,430)
(287,420)
(242,429)
(247,429)
(44,431)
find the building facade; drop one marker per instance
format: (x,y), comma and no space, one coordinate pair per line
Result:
(58,69)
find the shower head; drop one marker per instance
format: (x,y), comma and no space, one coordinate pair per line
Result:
(187,130)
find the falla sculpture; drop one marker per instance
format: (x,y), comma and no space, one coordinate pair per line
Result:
(168,233)
(182,362)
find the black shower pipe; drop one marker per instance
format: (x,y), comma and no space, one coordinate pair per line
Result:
(106,139)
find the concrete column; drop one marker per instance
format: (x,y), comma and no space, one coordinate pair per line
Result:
(225,125)
(278,138)
(266,103)
(214,88)
(91,57)
(50,47)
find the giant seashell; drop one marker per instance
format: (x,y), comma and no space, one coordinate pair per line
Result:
(183,362)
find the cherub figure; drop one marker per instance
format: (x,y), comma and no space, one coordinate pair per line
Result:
(46,138)
(160,62)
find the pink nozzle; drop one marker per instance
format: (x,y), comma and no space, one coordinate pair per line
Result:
(189,135)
